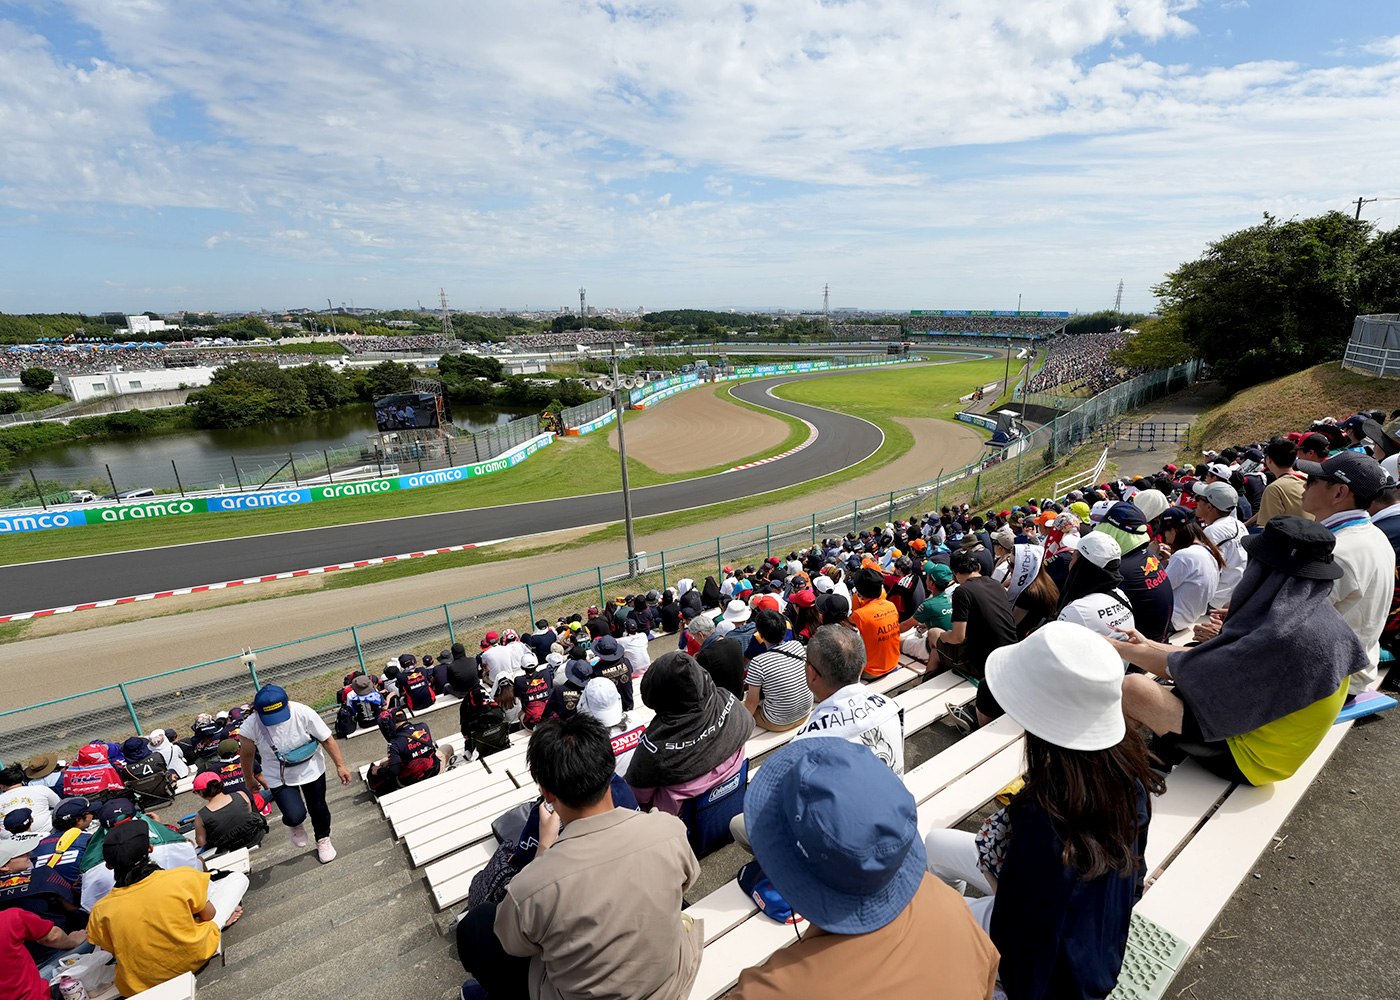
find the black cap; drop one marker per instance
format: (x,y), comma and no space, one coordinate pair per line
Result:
(1296,546)
(126,844)
(1360,473)
(1174,517)
(833,606)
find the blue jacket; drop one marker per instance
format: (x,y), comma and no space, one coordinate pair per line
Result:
(1060,938)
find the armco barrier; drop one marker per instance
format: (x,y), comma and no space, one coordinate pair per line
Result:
(142,510)
(309,668)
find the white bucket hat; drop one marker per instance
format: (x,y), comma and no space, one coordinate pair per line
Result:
(1064,683)
(737,611)
(601,700)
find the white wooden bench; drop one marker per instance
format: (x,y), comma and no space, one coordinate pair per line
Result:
(182,987)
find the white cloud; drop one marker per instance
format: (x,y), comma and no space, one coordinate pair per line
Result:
(895,141)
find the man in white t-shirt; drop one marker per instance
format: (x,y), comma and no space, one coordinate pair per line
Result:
(291,738)
(40,800)
(499,661)
(1215,508)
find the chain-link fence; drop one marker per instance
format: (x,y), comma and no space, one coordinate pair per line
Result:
(310,669)
(482,445)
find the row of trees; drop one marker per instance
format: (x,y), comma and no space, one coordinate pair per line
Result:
(1273,298)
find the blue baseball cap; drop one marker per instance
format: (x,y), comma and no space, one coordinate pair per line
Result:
(272,705)
(837,833)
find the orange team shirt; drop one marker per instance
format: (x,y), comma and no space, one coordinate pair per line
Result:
(878,623)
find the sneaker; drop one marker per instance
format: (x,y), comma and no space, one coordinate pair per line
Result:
(299,837)
(472,990)
(963,717)
(324,850)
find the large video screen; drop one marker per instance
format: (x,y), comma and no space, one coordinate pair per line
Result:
(406,411)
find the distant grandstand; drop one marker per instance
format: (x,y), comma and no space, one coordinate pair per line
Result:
(865,331)
(573,338)
(986,323)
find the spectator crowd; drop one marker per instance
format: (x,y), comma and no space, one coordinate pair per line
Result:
(1224,613)
(572,338)
(87,359)
(1082,361)
(987,326)
(414,343)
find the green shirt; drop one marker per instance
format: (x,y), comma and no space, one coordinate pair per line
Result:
(1277,749)
(936,612)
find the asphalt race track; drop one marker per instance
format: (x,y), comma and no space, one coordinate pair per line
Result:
(842,441)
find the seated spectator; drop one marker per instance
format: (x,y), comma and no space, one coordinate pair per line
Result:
(174,760)
(532,689)
(695,740)
(641,613)
(416,684)
(1144,579)
(982,622)
(601,701)
(40,891)
(44,769)
(802,615)
(541,640)
(613,665)
(1061,866)
(634,649)
(498,661)
(1215,508)
(144,772)
(157,923)
(877,621)
(18,825)
(668,612)
(880,924)
(22,933)
(1254,702)
(413,755)
(91,776)
(1193,565)
(720,656)
(1385,515)
(739,614)
(208,734)
(846,708)
(40,800)
(169,849)
(62,850)
(1285,494)
(1337,495)
(563,699)
(778,697)
(1033,602)
(227,821)
(229,770)
(1092,595)
(640,943)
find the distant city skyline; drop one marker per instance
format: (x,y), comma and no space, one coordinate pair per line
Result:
(169,157)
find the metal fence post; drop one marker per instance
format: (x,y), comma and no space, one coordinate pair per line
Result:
(130,710)
(530,604)
(814,527)
(855,515)
(719,558)
(1021,451)
(253,673)
(663,570)
(601,599)
(768,538)
(891,517)
(355,634)
(446,613)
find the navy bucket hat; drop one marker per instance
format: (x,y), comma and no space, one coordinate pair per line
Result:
(837,833)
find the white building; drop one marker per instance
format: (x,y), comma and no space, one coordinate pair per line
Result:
(144,324)
(81,388)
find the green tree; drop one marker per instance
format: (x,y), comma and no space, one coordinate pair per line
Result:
(1157,344)
(1379,274)
(283,394)
(385,378)
(1270,299)
(38,379)
(233,402)
(465,367)
(325,387)
(9,402)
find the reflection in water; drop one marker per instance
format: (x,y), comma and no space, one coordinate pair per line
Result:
(206,457)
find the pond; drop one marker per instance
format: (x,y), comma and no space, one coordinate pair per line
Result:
(206,457)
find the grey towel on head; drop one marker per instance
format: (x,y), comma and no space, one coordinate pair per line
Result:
(1282,648)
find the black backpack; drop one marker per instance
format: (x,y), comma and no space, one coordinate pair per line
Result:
(345,722)
(148,781)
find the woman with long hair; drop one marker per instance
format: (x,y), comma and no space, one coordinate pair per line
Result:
(1061,866)
(1193,565)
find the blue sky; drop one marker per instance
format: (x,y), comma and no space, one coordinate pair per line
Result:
(913,154)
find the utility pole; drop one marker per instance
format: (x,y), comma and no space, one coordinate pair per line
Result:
(826,309)
(1118,299)
(618,385)
(1359,203)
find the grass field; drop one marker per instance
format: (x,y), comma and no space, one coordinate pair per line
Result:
(567,467)
(918,392)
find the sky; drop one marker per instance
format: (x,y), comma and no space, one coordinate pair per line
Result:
(911,154)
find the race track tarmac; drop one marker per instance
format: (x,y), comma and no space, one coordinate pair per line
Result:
(842,441)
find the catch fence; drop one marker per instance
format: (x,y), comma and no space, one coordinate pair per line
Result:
(310,669)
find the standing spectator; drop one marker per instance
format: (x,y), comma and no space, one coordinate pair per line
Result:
(778,697)
(877,621)
(640,943)
(1337,494)
(1216,509)
(40,800)
(19,975)
(291,738)
(159,924)
(1061,866)
(879,922)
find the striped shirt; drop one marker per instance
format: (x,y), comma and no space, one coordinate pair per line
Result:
(781,675)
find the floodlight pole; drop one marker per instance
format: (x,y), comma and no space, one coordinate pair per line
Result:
(618,388)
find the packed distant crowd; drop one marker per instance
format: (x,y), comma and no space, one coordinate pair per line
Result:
(424,343)
(1224,612)
(987,326)
(89,359)
(571,338)
(1082,361)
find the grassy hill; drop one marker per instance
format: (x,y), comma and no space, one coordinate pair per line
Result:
(1291,403)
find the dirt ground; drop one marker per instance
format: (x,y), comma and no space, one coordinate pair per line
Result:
(697,430)
(178,631)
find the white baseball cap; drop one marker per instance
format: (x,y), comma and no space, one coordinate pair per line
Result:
(1063,683)
(1100,510)
(1099,549)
